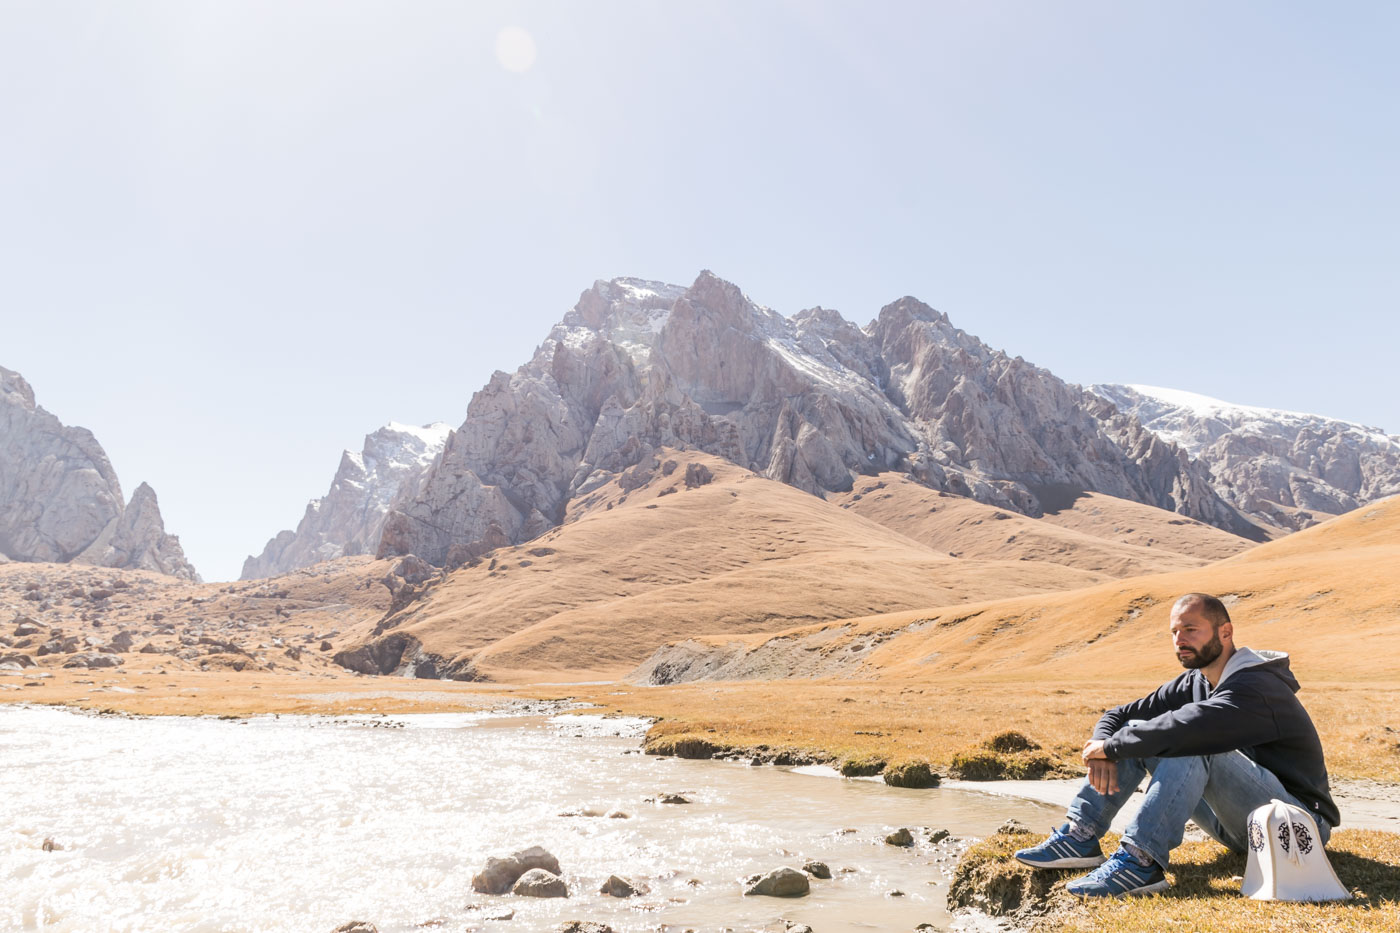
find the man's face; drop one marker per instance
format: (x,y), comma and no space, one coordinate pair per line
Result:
(1196,641)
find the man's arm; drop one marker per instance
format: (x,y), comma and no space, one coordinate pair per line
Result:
(1234,717)
(1169,696)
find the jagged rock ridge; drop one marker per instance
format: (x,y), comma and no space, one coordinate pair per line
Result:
(347,519)
(1282,467)
(60,500)
(810,401)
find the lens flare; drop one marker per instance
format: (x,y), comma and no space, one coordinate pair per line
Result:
(515,49)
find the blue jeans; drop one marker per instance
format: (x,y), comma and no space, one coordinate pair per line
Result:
(1217,791)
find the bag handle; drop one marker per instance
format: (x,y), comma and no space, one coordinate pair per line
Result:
(1288,837)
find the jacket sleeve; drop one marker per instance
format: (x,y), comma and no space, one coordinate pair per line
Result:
(1169,696)
(1234,717)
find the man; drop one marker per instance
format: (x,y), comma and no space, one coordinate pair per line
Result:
(1223,738)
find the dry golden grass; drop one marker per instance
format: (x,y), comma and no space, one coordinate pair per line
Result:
(937,720)
(225,693)
(1088,530)
(1204,894)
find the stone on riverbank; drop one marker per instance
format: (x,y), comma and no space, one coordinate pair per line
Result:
(357,926)
(501,873)
(817,869)
(781,882)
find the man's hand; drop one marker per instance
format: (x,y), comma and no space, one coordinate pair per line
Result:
(1103,774)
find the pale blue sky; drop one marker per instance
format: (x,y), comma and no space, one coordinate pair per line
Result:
(237,236)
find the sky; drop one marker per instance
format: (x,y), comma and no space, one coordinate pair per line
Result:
(235,237)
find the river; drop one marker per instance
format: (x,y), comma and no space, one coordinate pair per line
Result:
(304,823)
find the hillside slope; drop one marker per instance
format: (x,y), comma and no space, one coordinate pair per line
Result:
(1087,530)
(685,543)
(1329,593)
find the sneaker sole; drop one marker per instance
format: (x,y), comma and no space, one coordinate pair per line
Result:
(1155,887)
(1091,862)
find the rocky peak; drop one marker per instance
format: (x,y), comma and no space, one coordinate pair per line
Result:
(60,500)
(348,519)
(15,390)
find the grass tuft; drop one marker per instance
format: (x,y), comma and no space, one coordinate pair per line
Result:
(911,772)
(983,765)
(1011,741)
(863,765)
(682,745)
(1007,756)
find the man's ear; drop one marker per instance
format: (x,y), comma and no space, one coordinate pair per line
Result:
(1227,632)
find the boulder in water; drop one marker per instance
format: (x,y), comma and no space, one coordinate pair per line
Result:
(538,882)
(501,873)
(900,837)
(781,882)
(621,887)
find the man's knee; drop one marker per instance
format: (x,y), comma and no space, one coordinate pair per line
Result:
(1185,764)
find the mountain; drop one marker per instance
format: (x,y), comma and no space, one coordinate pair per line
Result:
(812,401)
(348,518)
(60,500)
(1281,467)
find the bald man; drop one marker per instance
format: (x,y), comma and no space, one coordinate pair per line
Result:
(1225,737)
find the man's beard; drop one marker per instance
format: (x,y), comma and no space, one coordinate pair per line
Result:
(1207,654)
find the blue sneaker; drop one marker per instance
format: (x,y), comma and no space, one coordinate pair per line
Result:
(1062,850)
(1121,876)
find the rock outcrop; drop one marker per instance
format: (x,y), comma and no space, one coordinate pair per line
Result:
(60,500)
(137,539)
(347,519)
(811,401)
(1283,468)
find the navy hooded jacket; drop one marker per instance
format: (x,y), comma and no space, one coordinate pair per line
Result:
(1252,709)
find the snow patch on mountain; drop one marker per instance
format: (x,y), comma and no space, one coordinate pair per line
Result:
(1163,410)
(1287,468)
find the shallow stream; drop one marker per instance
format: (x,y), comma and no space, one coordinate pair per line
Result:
(303,823)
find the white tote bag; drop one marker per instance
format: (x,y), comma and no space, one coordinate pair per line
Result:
(1286,861)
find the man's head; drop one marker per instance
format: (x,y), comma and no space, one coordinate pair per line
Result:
(1201,630)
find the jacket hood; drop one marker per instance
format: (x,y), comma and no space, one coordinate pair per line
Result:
(1275,662)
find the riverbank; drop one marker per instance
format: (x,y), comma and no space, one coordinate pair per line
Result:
(1204,892)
